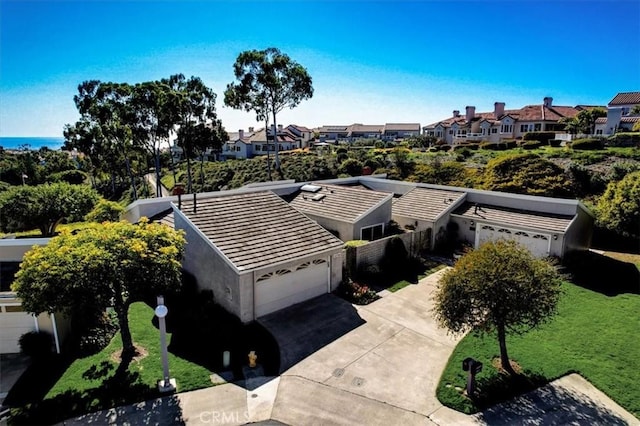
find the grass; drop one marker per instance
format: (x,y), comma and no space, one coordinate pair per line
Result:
(625,257)
(593,334)
(35,233)
(403,283)
(60,388)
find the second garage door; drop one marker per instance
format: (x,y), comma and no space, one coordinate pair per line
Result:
(286,287)
(537,243)
(14,322)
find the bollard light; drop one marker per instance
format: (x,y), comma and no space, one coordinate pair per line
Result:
(167,384)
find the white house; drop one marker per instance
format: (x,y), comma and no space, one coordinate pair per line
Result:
(619,116)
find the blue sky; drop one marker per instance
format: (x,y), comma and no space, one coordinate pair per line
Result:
(371,62)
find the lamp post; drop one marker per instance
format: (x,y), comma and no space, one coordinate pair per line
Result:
(167,384)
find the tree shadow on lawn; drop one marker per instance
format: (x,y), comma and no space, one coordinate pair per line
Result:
(603,274)
(549,405)
(202,331)
(388,274)
(117,388)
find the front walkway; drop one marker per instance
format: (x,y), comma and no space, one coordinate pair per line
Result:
(382,368)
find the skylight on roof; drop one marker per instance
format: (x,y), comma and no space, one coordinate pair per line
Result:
(310,188)
(318,197)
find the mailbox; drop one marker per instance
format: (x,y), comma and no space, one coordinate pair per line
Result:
(476,367)
(467,363)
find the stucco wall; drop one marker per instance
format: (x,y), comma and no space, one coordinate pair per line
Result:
(578,235)
(13,250)
(382,214)
(210,270)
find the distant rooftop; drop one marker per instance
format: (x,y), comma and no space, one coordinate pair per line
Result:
(625,98)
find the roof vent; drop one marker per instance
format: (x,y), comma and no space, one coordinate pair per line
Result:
(318,197)
(310,188)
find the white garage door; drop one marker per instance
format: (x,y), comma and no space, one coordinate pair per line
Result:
(287,287)
(537,243)
(13,325)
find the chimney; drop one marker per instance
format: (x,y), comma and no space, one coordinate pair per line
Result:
(498,109)
(456,113)
(250,129)
(548,101)
(279,127)
(241,133)
(470,113)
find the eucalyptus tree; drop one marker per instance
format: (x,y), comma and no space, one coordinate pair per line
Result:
(200,127)
(108,107)
(268,81)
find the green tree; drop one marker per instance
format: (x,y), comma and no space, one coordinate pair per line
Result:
(584,121)
(526,174)
(105,211)
(268,81)
(635,110)
(110,265)
(351,166)
(618,208)
(499,287)
(44,207)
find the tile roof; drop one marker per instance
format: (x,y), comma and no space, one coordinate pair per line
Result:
(300,128)
(343,203)
(425,203)
(260,137)
(258,229)
(625,98)
(601,120)
(401,127)
(526,113)
(630,119)
(362,128)
(517,218)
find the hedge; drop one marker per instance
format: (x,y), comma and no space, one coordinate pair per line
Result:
(588,144)
(543,137)
(500,146)
(624,139)
(530,144)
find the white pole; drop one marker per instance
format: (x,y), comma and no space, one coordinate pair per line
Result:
(161,313)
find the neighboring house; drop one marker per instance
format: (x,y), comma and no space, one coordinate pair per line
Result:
(353,132)
(500,124)
(262,143)
(14,321)
(238,146)
(256,253)
(269,245)
(393,131)
(619,117)
(302,134)
(349,213)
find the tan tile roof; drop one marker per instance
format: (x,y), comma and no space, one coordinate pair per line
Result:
(300,128)
(515,218)
(425,203)
(260,137)
(601,120)
(625,98)
(258,229)
(362,128)
(343,203)
(630,119)
(401,127)
(526,113)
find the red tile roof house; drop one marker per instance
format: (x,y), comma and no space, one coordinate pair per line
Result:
(500,124)
(619,116)
(266,246)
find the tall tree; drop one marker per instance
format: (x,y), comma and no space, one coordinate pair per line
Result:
(268,81)
(111,265)
(498,287)
(584,121)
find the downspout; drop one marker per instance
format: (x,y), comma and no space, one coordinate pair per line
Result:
(55,333)
(253,275)
(35,320)
(329,274)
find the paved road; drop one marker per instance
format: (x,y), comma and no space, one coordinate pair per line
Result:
(375,364)
(151,178)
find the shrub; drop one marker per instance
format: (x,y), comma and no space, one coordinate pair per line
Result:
(530,144)
(351,166)
(624,139)
(105,211)
(588,144)
(341,150)
(36,344)
(356,293)
(355,243)
(543,137)
(555,143)
(98,336)
(74,177)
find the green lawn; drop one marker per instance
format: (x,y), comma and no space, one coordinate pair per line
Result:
(35,233)
(594,335)
(88,383)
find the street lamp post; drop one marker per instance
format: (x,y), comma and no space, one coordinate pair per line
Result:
(167,384)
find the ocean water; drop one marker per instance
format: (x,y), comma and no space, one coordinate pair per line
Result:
(31,142)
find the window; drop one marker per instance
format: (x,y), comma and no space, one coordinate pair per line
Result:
(506,128)
(373,232)
(537,127)
(524,128)
(258,147)
(598,131)
(494,130)
(238,148)
(13,308)
(450,132)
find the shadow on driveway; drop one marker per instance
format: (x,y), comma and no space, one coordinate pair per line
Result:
(302,329)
